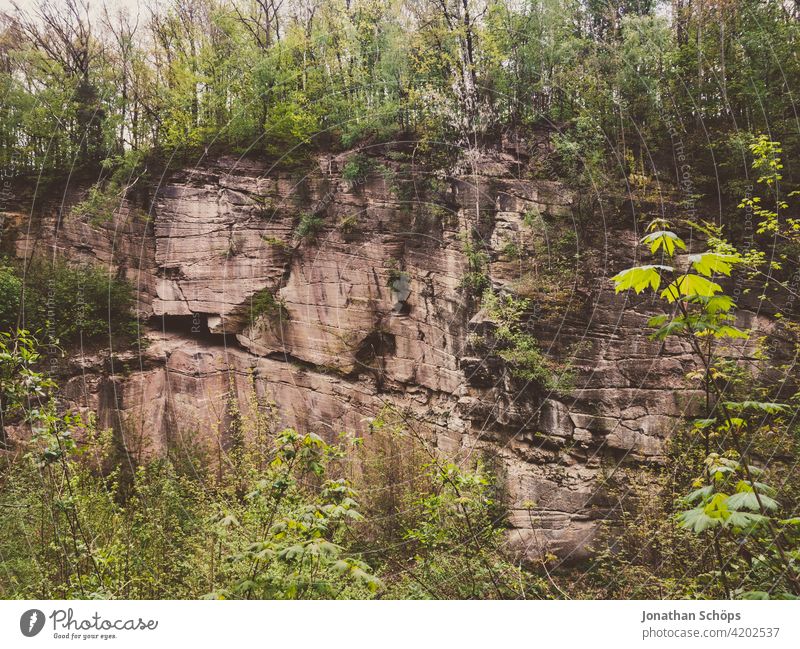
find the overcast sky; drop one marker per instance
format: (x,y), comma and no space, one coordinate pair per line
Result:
(95,6)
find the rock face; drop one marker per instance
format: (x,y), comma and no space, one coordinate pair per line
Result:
(335,299)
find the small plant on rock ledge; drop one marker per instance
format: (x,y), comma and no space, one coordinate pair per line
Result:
(395,274)
(476,279)
(309,227)
(357,168)
(520,349)
(348,224)
(264,303)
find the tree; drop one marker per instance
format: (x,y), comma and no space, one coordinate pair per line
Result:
(63,36)
(23,389)
(702,315)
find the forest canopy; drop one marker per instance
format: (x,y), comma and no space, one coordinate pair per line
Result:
(622,81)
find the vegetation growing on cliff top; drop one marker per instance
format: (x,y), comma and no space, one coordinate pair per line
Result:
(632,85)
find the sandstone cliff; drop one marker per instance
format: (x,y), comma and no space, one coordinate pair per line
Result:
(370,309)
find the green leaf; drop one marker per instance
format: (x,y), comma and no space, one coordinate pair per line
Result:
(709,263)
(697,520)
(663,239)
(657,320)
(745,520)
(719,472)
(292,552)
(700,494)
(229,521)
(764,406)
(719,304)
(639,278)
(748,500)
(727,331)
(669,329)
(690,286)
(744,485)
(754,594)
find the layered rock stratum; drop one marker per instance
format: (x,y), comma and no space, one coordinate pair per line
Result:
(372,312)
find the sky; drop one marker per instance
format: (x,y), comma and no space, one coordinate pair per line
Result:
(95,6)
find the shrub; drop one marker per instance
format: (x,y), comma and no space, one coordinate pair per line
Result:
(439,524)
(519,348)
(269,525)
(107,195)
(289,127)
(476,280)
(77,303)
(10,293)
(310,226)
(357,168)
(266,304)
(349,224)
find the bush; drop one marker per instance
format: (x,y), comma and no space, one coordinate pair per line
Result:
(75,303)
(357,168)
(107,195)
(270,526)
(289,128)
(278,519)
(10,293)
(439,525)
(309,227)
(520,349)
(265,303)
(476,280)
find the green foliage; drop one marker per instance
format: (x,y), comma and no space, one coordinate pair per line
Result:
(277,519)
(457,535)
(288,128)
(639,278)
(663,239)
(476,279)
(366,72)
(23,389)
(296,552)
(264,303)
(395,274)
(440,524)
(163,536)
(519,348)
(357,168)
(10,295)
(730,504)
(727,499)
(106,196)
(640,552)
(622,88)
(713,262)
(348,224)
(76,303)
(309,227)
(716,508)
(690,286)
(703,309)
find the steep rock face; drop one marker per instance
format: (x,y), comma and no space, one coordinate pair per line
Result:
(370,309)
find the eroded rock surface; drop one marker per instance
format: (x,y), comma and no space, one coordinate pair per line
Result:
(371,310)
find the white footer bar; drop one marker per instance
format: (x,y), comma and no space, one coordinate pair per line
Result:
(418,625)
